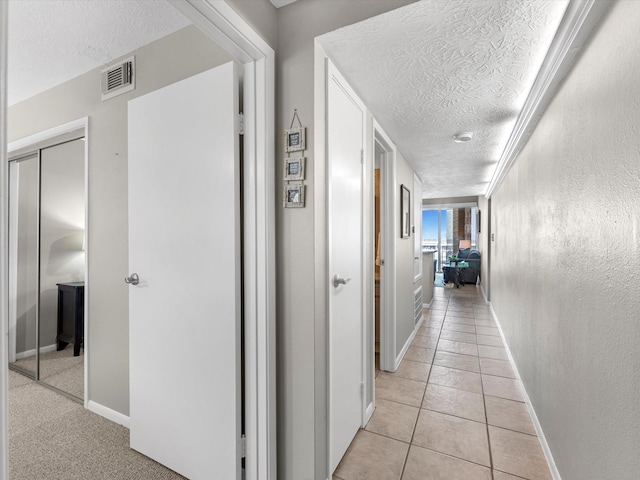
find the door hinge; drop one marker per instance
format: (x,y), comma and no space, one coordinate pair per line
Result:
(243,446)
(241,123)
(362,156)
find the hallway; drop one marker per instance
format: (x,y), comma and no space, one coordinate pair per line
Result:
(453,410)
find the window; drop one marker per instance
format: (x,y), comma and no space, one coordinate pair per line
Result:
(442,230)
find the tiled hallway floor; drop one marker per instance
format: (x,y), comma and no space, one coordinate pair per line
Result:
(453,410)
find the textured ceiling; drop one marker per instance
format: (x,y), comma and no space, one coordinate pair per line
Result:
(439,67)
(53,41)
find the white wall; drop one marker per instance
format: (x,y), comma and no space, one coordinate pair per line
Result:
(160,63)
(565,276)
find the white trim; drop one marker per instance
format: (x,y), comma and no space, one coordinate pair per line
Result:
(484,294)
(388,223)
(223,25)
(406,346)
(446,206)
(534,418)
(81,123)
(4,273)
(108,413)
(87,249)
(578,22)
(427,305)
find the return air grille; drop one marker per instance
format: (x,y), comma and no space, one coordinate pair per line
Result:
(417,305)
(118,79)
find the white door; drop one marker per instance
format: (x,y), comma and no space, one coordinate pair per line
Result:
(345,142)
(184,246)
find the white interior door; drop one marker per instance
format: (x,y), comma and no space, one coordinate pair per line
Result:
(184,245)
(345,143)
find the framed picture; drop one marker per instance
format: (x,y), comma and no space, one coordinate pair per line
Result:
(294,196)
(405,209)
(294,139)
(294,168)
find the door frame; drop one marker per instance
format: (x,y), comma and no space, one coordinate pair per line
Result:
(388,223)
(222,24)
(35,141)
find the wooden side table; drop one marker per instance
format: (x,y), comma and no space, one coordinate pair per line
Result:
(70,316)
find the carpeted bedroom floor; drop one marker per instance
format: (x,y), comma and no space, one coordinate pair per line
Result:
(54,438)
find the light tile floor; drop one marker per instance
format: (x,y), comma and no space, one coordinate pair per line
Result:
(453,410)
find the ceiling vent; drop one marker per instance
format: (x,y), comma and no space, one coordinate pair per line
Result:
(118,79)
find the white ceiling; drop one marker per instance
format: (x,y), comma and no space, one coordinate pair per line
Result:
(436,68)
(426,71)
(85,34)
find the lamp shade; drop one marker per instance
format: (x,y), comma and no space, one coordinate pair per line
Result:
(465,244)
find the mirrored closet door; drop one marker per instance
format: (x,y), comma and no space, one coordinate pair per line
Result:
(47,265)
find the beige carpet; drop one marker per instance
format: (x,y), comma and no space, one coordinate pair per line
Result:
(53,437)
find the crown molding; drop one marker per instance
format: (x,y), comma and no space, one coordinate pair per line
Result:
(577,25)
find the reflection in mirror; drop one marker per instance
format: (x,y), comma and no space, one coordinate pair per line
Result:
(62,266)
(47,265)
(23,264)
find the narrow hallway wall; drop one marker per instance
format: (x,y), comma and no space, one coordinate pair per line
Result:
(565,276)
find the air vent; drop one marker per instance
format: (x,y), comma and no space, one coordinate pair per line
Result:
(118,79)
(417,305)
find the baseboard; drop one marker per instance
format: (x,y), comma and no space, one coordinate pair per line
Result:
(427,305)
(108,413)
(534,418)
(407,344)
(484,294)
(32,352)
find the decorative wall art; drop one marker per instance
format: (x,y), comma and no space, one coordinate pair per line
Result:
(295,140)
(294,196)
(294,168)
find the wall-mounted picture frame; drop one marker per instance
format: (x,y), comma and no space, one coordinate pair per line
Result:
(294,196)
(294,139)
(294,168)
(405,209)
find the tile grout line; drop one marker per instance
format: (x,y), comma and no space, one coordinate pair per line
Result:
(486,418)
(404,466)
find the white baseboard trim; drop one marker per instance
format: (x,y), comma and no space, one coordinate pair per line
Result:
(484,294)
(427,305)
(534,418)
(407,344)
(108,413)
(31,353)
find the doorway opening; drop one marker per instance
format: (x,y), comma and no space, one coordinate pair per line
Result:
(378,201)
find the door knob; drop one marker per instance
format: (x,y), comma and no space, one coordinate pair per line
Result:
(132,279)
(340,281)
